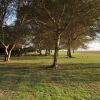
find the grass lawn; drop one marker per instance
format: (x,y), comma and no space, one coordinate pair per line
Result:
(26,78)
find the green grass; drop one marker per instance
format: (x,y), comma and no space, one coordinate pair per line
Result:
(26,78)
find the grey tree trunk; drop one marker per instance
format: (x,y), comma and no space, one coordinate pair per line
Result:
(8,53)
(7,57)
(55,62)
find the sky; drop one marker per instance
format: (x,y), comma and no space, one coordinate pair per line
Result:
(92,46)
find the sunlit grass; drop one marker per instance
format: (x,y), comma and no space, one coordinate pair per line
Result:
(26,78)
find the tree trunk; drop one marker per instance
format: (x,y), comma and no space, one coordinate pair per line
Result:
(8,53)
(7,57)
(50,51)
(47,52)
(40,51)
(55,62)
(69,53)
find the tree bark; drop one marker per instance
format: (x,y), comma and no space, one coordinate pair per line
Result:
(69,53)
(50,51)
(55,62)
(47,52)
(7,57)
(40,51)
(8,52)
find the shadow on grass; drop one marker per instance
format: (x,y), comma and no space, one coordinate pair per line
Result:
(14,76)
(32,57)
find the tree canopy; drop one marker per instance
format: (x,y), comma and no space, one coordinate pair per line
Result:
(52,23)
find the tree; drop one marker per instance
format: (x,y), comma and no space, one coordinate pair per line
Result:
(13,34)
(81,42)
(58,16)
(74,35)
(4,13)
(3,10)
(43,41)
